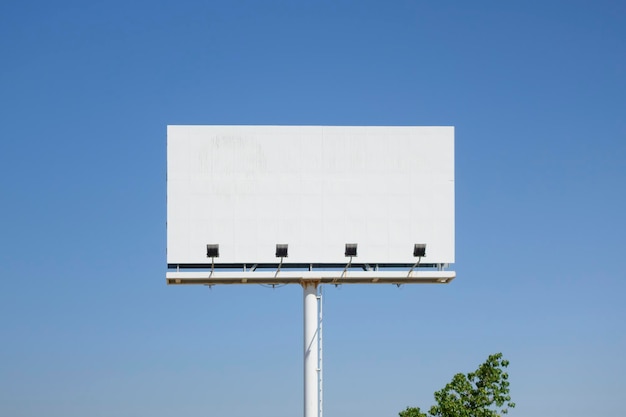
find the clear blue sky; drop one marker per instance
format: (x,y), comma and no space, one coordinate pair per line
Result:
(536,90)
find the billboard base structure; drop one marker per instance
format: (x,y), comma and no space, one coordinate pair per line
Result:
(305,278)
(312,365)
(312,321)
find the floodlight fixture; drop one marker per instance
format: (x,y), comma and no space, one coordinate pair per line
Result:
(350,252)
(281,250)
(213,251)
(419,250)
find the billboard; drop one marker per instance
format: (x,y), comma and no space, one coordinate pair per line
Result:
(313,188)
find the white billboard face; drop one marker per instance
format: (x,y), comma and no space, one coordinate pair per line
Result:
(315,188)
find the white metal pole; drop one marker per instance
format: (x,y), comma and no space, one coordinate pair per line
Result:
(320,358)
(311,400)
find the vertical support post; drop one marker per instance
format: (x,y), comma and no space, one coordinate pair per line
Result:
(311,397)
(320,358)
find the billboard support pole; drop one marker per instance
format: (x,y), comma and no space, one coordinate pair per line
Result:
(311,352)
(320,349)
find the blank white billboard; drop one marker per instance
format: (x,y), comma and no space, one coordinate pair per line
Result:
(315,188)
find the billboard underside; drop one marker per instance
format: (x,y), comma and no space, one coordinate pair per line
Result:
(315,188)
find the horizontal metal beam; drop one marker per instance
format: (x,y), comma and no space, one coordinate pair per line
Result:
(299,277)
(355,264)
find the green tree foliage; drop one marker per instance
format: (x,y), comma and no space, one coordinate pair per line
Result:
(412,412)
(482,393)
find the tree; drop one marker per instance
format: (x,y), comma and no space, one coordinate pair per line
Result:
(412,412)
(482,393)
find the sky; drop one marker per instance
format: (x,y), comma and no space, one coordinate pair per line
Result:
(536,91)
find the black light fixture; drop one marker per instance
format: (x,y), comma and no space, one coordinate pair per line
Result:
(281,250)
(213,251)
(350,250)
(419,250)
